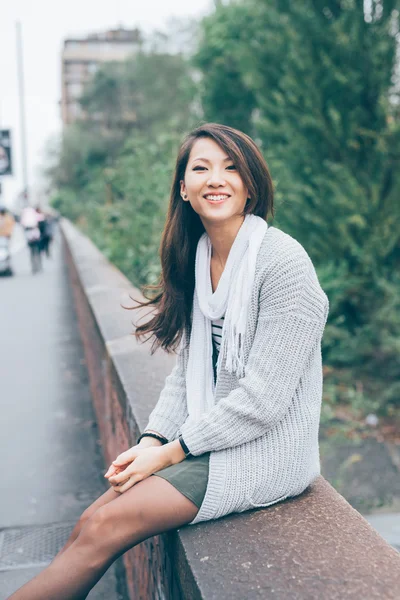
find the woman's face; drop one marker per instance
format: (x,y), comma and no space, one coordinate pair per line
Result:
(212,184)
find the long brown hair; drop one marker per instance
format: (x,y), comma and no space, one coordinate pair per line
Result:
(183,229)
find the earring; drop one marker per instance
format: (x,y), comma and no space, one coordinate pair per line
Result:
(184,196)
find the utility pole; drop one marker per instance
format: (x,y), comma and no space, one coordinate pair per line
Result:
(21,92)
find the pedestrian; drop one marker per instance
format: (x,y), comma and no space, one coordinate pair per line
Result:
(30,219)
(7,224)
(236,425)
(45,232)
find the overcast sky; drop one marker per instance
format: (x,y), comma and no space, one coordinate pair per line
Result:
(45,24)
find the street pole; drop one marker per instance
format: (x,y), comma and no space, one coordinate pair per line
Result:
(21,90)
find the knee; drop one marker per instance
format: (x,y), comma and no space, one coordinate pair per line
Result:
(84,518)
(108,533)
(95,526)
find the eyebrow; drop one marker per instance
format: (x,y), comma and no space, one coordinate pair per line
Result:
(207,161)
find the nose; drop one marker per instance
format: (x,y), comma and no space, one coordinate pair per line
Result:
(216,179)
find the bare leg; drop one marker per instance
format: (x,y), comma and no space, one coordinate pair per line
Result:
(32,257)
(36,261)
(39,257)
(151,507)
(105,498)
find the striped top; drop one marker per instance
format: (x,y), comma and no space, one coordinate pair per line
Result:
(216,329)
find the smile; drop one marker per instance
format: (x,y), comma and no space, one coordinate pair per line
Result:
(216,199)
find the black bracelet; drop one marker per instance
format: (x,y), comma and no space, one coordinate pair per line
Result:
(184,447)
(160,438)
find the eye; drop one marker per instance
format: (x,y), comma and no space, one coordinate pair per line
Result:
(198,168)
(231,167)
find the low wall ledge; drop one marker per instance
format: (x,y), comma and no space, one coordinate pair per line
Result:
(315,546)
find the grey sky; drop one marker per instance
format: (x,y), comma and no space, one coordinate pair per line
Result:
(45,24)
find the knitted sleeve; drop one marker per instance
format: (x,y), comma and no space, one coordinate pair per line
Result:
(292,314)
(170,411)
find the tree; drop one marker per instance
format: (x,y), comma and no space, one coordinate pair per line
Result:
(145,93)
(325,111)
(111,171)
(226,98)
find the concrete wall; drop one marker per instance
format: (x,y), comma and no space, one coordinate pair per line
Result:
(312,547)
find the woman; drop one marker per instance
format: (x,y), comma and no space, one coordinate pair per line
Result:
(236,425)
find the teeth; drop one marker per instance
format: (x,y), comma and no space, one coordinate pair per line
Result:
(216,198)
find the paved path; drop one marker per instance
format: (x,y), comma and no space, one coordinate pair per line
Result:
(388,526)
(51,458)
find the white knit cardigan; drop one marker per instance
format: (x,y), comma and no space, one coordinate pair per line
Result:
(263,430)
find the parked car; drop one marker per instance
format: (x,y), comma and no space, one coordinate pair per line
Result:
(5,256)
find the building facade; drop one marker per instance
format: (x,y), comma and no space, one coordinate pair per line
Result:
(82,57)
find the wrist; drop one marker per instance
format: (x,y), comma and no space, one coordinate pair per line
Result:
(173,453)
(148,442)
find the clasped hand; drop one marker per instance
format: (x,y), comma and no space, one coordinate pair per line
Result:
(134,465)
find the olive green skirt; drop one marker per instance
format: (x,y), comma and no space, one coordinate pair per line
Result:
(190,477)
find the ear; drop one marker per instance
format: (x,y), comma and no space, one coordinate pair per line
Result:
(183,191)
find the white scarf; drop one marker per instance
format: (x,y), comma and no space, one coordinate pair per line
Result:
(231,298)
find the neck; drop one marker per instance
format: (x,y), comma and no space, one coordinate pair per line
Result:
(222,235)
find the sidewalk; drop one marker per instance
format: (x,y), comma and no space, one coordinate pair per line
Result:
(367,473)
(388,526)
(52,466)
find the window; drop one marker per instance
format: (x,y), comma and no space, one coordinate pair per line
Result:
(74,90)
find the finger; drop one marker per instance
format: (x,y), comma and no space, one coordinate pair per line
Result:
(121,468)
(111,471)
(130,483)
(122,459)
(120,477)
(117,486)
(125,457)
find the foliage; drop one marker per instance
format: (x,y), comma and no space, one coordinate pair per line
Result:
(127,227)
(144,93)
(317,85)
(112,169)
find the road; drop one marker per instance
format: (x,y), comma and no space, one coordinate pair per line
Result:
(52,466)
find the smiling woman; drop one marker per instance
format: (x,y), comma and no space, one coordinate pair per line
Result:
(234,164)
(236,425)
